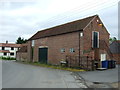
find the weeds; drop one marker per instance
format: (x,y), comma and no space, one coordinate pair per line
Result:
(54,66)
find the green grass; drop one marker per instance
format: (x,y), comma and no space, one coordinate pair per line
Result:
(54,66)
(7,58)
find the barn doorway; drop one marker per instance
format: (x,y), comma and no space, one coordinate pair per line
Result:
(103,57)
(43,55)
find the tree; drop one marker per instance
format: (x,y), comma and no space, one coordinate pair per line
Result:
(21,40)
(112,39)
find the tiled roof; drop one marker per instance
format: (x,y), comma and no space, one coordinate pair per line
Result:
(9,45)
(115,47)
(4,51)
(65,28)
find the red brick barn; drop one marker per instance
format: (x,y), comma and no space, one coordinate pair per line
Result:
(84,37)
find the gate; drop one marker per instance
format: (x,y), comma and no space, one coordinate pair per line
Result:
(83,62)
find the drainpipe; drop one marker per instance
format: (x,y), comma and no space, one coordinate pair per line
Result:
(79,48)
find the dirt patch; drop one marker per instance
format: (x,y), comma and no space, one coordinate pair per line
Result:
(115,85)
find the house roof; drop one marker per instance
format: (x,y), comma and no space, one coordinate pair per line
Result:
(4,51)
(9,45)
(74,26)
(115,47)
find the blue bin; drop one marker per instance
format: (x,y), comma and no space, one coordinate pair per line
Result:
(105,64)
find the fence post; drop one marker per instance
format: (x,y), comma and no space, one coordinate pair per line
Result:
(67,61)
(93,63)
(87,62)
(70,61)
(81,62)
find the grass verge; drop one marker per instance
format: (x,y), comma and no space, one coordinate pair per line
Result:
(53,66)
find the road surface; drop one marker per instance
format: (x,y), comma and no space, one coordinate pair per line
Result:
(101,79)
(17,75)
(110,75)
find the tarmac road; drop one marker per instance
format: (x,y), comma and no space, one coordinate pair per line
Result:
(17,75)
(101,79)
(110,75)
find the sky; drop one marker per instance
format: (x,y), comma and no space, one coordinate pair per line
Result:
(23,18)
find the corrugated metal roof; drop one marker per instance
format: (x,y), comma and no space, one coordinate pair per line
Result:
(115,47)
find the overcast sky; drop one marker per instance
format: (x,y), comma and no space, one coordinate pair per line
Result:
(25,18)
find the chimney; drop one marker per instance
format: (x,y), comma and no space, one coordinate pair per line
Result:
(6,42)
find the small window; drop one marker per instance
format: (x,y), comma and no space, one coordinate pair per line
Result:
(95,39)
(5,54)
(33,43)
(3,48)
(81,34)
(11,54)
(62,50)
(72,50)
(97,20)
(12,48)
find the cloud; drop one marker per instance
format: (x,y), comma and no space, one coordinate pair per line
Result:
(109,17)
(26,18)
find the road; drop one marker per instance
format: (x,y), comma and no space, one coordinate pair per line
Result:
(101,79)
(17,75)
(110,75)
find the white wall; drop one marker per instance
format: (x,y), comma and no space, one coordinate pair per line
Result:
(1,54)
(11,51)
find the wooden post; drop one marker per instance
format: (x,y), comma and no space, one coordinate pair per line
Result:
(87,62)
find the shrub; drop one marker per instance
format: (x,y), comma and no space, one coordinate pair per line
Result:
(7,58)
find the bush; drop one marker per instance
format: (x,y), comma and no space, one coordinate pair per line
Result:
(7,58)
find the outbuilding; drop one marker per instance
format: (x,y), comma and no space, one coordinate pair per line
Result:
(115,49)
(86,37)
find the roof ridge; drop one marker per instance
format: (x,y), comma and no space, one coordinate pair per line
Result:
(72,26)
(67,23)
(10,43)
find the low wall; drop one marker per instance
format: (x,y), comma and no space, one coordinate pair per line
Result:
(21,56)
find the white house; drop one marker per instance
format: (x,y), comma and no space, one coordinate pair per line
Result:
(8,49)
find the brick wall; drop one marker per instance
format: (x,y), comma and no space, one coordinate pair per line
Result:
(29,50)
(21,56)
(55,44)
(87,39)
(116,57)
(66,41)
